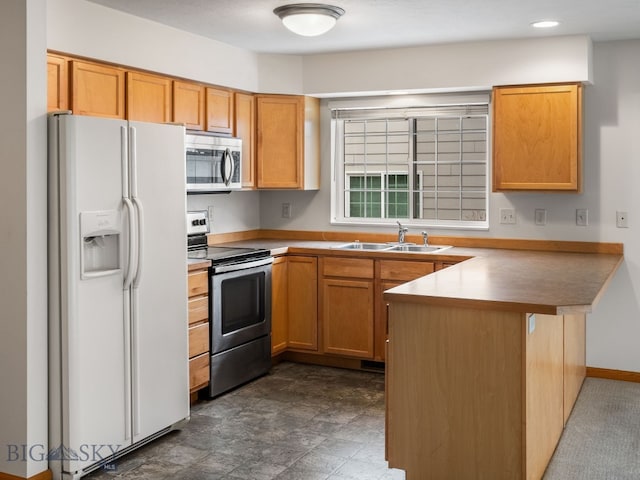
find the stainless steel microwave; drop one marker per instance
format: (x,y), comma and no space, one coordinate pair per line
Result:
(213,163)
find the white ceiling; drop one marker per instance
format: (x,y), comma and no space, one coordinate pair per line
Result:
(374,24)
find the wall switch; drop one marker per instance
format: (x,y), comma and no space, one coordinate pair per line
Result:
(582,217)
(622,220)
(507,215)
(541,216)
(286,210)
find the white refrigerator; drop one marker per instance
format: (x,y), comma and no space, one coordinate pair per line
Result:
(118,374)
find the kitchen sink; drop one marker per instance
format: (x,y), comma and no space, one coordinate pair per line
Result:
(365,246)
(419,248)
(393,247)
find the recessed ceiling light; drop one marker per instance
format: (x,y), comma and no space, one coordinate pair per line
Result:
(545,24)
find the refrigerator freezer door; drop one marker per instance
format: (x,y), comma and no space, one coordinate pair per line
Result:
(159,295)
(89,333)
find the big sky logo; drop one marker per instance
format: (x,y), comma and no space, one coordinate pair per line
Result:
(38,452)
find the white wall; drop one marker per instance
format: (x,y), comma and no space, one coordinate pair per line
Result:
(450,66)
(23,216)
(611,175)
(87,29)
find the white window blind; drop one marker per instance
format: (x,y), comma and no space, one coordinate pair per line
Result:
(425,164)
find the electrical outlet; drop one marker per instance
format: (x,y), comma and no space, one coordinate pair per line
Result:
(541,216)
(622,220)
(286,210)
(582,217)
(507,215)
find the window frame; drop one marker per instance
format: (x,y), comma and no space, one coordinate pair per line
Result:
(339,175)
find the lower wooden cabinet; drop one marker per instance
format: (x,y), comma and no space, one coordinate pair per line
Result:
(294,309)
(347,306)
(279,305)
(389,274)
(198,291)
(303,302)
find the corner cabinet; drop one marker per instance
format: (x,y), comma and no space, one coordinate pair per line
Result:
(537,138)
(287,150)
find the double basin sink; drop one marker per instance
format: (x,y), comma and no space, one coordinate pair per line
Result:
(393,247)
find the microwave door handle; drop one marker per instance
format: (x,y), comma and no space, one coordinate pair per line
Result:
(227,167)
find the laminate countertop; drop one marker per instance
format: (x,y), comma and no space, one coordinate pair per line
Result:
(544,282)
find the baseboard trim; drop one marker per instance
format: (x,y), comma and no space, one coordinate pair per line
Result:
(46,475)
(611,374)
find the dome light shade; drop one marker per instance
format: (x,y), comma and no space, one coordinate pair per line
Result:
(309,19)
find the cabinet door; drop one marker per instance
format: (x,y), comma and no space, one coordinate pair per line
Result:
(245,124)
(537,137)
(392,273)
(347,317)
(148,98)
(279,305)
(219,110)
(188,104)
(57,83)
(303,303)
(97,90)
(280,148)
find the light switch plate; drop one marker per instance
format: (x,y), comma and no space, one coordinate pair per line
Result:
(541,216)
(582,217)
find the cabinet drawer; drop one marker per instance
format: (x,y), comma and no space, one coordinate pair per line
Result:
(198,310)
(198,340)
(399,270)
(199,372)
(347,267)
(198,283)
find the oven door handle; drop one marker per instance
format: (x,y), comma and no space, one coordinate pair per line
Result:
(242,266)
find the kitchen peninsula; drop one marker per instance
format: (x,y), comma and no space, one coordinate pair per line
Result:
(485,357)
(485,361)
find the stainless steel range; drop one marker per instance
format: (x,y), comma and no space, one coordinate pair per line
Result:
(239,307)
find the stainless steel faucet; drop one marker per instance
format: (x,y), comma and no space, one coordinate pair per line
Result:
(425,238)
(401,232)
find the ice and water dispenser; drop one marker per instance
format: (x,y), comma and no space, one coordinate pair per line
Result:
(100,243)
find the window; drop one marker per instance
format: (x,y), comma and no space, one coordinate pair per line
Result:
(426,165)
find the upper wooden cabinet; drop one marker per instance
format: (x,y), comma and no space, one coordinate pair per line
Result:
(244,128)
(287,147)
(188,104)
(537,138)
(57,83)
(148,98)
(219,110)
(97,90)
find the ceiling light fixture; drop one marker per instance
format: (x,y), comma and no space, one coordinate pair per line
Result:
(309,19)
(545,24)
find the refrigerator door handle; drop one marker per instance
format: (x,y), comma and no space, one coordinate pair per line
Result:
(128,279)
(133,183)
(131,259)
(140,212)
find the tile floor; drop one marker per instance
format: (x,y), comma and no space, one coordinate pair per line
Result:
(299,422)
